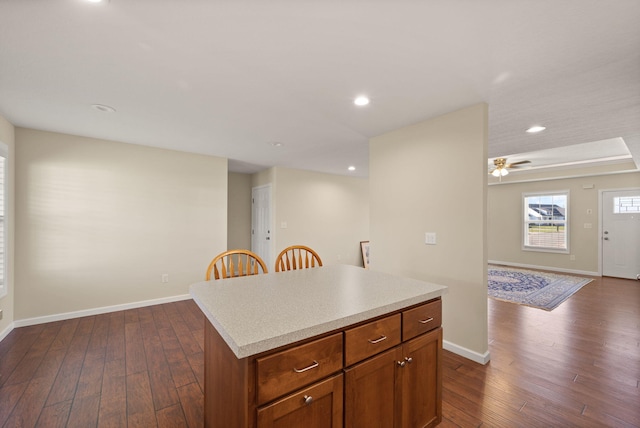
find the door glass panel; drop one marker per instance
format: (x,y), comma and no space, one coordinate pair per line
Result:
(626,204)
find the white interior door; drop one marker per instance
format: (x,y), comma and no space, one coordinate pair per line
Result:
(621,233)
(261,223)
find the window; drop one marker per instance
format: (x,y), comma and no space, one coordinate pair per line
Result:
(3,223)
(546,221)
(626,204)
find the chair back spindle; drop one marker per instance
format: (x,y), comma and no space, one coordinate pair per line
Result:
(235,263)
(297,257)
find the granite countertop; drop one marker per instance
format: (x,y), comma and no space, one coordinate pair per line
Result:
(257,313)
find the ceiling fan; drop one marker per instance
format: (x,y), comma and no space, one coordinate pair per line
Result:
(501,166)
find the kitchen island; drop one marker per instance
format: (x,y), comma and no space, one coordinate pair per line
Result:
(332,346)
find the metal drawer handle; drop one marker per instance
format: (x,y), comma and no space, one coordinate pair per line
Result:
(308,399)
(425,321)
(373,342)
(312,366)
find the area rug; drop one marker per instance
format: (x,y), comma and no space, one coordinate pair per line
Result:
(541,290)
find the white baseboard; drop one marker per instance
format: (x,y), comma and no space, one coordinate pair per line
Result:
(6,331)
(554,269)
(96,311)
(467,353)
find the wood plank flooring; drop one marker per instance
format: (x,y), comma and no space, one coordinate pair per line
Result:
(578,365)
(138,368)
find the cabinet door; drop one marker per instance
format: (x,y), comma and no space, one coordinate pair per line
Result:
(318,406)
(370,391)
(421,380)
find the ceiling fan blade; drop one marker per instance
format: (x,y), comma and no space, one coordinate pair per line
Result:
(511,165)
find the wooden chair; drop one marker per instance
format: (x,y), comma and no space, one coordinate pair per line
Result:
(234,263)
(297,257)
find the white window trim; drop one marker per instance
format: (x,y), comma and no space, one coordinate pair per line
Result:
(566,223)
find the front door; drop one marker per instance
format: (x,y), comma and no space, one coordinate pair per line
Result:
(621,233)
(261,223)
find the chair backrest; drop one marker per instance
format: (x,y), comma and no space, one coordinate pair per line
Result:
(297,257)
(235,263)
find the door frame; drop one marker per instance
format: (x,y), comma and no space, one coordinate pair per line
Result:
(600,226)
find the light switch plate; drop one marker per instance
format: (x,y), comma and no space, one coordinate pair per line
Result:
(430,238)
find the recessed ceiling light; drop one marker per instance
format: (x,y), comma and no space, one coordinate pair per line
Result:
(536,128)
(103,108)
(275,143)
(94,1)
(361,101)
(352,168)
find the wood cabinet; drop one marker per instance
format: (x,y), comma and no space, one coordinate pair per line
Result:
(420,381)
(319,406)
(379,373)
(371,338)
(288,370)
(400,387)
(370,391)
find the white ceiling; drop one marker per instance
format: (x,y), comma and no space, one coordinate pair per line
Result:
(229,78)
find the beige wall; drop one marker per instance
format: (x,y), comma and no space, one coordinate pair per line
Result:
(505,221)
(432,177)
(329,213)
(239,211)
(7,136)
(263,178)
(99,222)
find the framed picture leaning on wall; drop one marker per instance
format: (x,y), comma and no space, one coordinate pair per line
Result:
(364,246)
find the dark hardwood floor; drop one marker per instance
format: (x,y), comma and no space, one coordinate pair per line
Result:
(137,368)
(578,365)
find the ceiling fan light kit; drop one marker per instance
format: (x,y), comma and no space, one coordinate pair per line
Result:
(501,167)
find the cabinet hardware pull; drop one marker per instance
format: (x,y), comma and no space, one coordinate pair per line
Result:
(409,360)
(425,321)
(401,363)
(312,366)
(308,399)
(373,342)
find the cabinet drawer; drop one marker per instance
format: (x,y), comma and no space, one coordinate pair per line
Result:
(369,339)
(288,370)
(421,319)
(320,404)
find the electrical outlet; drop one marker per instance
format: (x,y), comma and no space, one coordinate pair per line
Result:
(430,238)
(165,277)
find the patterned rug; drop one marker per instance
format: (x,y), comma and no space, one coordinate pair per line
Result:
(541,290)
